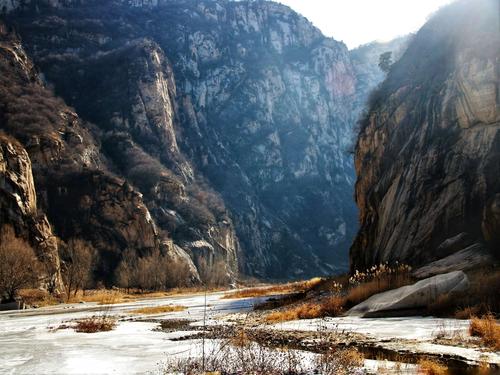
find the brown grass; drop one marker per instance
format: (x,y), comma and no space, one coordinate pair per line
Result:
(38,298)
(363,291)
(429,367)
(95,324)
(296,287)
(480,299)
(331,306)
(488,329)
(159,309)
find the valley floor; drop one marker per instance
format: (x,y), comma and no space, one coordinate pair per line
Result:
(43,341)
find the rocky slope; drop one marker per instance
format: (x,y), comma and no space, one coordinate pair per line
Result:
(365,60)
(428,154)
(55,175)
(217,112)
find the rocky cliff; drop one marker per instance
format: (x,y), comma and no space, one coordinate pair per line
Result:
(54,174)
(428,153)
(218,112)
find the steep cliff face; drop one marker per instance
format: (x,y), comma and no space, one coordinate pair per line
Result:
(65,175)
(18,208)
(266,114)
(365,60)
(428,154)
(256,103)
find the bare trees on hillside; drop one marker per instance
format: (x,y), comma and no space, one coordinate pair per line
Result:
(78,257)
(19,266)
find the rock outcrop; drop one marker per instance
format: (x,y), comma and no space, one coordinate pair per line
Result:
(412,298)
(474,256)
(18,207)
(66,176)
(428,153)
(244,132)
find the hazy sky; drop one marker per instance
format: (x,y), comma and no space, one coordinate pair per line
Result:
(361,21)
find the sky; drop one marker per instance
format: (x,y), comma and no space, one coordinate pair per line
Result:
(357,22)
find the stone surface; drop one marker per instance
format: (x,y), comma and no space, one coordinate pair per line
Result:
(471,257)
(18,207)
(411,297)
(243,109)
(55,179)
(428,152)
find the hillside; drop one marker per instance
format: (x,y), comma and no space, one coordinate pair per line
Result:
(427,155)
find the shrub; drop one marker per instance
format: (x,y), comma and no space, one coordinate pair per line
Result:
(95,324)
(239,355)
(331,306)
(428,367)
(376,280)
(487,329)
(19,266)
(79,260)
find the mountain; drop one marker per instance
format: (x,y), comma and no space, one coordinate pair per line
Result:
(365,60)
(213,131)
(428,152)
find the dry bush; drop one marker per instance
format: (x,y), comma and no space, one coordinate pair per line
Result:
(488,329)
(428,367)
(19,266)
(95,324)
(480,299)
(300,286)
(239,355)
(159,309)
(153,272)
(467,312)
(331,306)
(362,292)
(216,274)
(376,280)
(78,262)
(37,297)
(339,362)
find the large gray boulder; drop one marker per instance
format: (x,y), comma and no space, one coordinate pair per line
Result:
(473,256)
(411,298)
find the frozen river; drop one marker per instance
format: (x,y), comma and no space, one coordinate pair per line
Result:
(30,345)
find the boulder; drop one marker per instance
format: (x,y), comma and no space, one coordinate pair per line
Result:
(411,298)
(473,256)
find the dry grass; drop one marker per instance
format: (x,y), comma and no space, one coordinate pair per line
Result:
(361,292)
(159,309)
(95,324)
(429,367)
(480,299)
(488,329)
(331,306)
(466,312)
(38,298)
(296,287)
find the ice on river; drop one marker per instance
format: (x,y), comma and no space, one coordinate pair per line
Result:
(29,346)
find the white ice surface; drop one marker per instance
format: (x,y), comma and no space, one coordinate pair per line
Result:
(412,328)
(420,329)
(28,346)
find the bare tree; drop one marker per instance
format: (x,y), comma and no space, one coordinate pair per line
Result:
(78,257)
(213,274)
(19,266)
(125,273)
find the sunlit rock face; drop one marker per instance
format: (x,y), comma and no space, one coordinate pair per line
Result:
(428,154)
(244,108)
